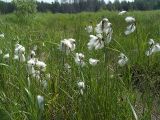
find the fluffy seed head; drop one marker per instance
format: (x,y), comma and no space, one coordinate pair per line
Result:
(123,60)
(93,62)
(81,85)
(122,12)
(40,101)
(130,19)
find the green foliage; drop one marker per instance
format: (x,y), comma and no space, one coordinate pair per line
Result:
(25,8)
(108,95)
(4,115)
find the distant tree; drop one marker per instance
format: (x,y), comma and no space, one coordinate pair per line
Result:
(117,5)
(109,6)
(28,7)
(6,7)
(157,6)
(125,5)
(55,7)
(25,7)
(25,10)
(44,7)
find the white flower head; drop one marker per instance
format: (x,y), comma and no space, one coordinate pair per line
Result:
(105,24)
(40,101)
(102,26)
(93,62)
(122,12)
(154,47)
(36,75)
(16,57)
(151,42)
(19,53)
(81,86)
(99,36)
(123,60)
(105,28)
(2,35)
(34,67)
(41,65)
(93,39)
(130,29)
(72,42)
(30,66)
(19,49)
(108,33)
(149,52)
(22,58)
(105,20)
(6,56)
(79,59)
(32,54)
(31,62)
(67,45)
(89,29)
(130,19)
(96,42)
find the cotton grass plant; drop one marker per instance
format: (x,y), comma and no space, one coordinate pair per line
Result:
(73,73)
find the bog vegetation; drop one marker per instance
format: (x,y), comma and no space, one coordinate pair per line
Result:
(102,65)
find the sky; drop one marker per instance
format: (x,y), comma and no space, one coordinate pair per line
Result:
(53,0)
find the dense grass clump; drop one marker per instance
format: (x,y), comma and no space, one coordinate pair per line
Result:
(111,92)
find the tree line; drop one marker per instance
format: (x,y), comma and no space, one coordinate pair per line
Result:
(75,6)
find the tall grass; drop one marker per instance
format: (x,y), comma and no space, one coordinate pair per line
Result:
(111,92)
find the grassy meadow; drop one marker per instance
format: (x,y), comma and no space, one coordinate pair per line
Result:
(111,92)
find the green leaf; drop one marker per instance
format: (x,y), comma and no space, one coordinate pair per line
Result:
(4,115)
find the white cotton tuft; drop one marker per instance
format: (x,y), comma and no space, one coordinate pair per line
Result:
(153,47)
(123,60)
(2,35)
(6,56)
(81,87)
(89,29)
(40,101)
(122,12)
(130,29)
(95,42)
(67,45)
(79,59)
(93,62)
(19,49)
(151,42)
(156,48)
(130,19)
(19,53)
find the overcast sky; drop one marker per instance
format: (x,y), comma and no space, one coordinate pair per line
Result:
(53,0)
